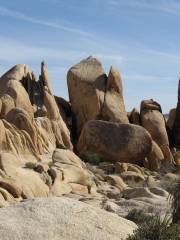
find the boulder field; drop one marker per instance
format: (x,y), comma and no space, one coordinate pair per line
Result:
(88,148)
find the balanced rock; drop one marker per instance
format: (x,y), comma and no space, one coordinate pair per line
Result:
(153,121)
(114,142)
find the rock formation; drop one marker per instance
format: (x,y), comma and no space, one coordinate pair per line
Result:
(89,149)
(30,106)
(153,121)
(93,95)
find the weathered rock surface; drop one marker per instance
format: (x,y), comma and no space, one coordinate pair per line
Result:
(171,118)
(61,218)
(134,117)
(70,172)
(128,166)
(22,100)
(93,95)
(155,158)
(115,142)
(153,121)
(113,106)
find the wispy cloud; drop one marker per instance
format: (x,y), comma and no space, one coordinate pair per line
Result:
(48,23)
(12,50)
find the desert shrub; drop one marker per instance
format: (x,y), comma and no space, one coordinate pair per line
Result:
(93,158)
(154,228)
(175,199)
(138,216)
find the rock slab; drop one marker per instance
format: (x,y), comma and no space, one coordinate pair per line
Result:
(61,218)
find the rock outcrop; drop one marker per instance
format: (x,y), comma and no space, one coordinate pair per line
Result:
(93,95)
(30,114)
(89,149)
(114,141)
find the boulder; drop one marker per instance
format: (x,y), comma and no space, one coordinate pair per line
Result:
(113,107)
(153,121)
(116,181)
(88,83)
(171,118)
(134,117)
(61,218)
(155,158)
(114,142)
(68,169)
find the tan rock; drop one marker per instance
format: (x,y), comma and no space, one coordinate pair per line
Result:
(131,176)
(168,157)
(171,118)
(113,107)
(177,158)
(11,186)
(79,189)
(153,121)
(134,117)
(115,142)
(116,181)
(88,83)
(124,167)
(155,158)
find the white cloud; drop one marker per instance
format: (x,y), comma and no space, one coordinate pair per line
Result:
(14,50)
(18,15)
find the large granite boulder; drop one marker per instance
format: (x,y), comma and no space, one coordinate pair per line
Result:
(93,95)
(61,218)
(114,141)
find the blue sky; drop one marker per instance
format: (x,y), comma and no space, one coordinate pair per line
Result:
(140,37)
